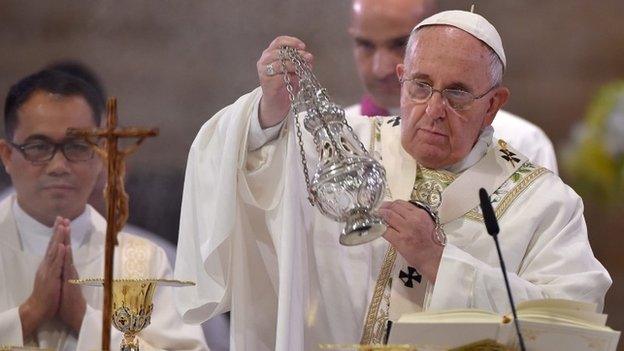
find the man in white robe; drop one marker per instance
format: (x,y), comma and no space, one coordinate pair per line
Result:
(50,234)
(256,247)
(380,30)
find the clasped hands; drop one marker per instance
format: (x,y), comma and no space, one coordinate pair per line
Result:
(411,231)
(52,295)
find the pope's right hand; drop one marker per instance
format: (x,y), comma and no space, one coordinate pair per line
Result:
(275,102)
(43,303)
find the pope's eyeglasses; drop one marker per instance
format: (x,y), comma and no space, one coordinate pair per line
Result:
(458,100)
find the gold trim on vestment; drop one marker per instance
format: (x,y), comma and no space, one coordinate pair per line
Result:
(376,319)
(440,175)
(510,196)
(517,190)
(371,143)
(373,332)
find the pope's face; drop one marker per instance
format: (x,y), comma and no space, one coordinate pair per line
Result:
(380,30)
(444,57)
(58,187)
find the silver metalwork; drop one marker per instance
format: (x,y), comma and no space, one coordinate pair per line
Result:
(270,71)
(348,184)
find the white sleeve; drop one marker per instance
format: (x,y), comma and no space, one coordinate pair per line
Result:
(557,263)
(257,136)
(223,177)
(11,327)
(545,155)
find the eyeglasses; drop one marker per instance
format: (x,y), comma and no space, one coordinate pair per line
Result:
(458,100)
(41,151)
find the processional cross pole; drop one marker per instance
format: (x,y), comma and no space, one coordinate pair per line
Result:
(114,192)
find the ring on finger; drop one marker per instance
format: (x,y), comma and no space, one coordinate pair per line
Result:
(269,70)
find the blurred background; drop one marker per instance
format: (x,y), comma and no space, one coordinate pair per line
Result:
(173,64)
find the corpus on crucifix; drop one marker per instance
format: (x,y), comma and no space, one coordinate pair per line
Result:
(115,194)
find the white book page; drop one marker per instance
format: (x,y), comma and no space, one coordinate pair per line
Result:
(442,335)
(455,316)
(552,337)
(562,311)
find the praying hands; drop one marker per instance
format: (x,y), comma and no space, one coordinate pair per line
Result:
(52,295)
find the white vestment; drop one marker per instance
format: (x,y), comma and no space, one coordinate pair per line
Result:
(523,135)
(216,330)
(134,258)
(255,246)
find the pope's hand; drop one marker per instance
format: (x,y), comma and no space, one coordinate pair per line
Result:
(43,303)
(73,305)
(275,102)
(411,231)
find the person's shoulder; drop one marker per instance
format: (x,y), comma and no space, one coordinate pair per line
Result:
(168,248)
(507,121)
(126,238)
(130,237)
(6,197)
(141,246)
(5,208)
(550,190)
(355,119)
(147,235)
(353,110)
(6,193)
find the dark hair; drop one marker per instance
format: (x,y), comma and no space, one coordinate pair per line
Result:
(80,70)
(52,81)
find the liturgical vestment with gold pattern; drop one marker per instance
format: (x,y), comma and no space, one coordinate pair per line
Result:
(257,248)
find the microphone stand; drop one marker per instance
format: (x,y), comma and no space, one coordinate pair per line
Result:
(491,224)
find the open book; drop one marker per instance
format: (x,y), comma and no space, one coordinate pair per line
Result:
(550,324)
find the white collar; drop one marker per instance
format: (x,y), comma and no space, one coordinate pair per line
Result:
(478,151)
(35,235)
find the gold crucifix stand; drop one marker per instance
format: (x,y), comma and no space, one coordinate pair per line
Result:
(114,193)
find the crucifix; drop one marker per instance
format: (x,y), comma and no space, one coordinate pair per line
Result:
(114,192)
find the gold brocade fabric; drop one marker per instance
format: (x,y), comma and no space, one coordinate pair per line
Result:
(428,187)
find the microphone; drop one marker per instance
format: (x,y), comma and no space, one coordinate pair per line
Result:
(491,225)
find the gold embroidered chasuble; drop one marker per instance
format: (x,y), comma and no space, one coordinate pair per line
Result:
(503,172)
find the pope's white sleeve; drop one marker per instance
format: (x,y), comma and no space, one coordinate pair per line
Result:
(557,263)
(262,176)
(223,182)
(257,136)
(11,327)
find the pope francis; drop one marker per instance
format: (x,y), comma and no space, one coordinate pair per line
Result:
(256,247)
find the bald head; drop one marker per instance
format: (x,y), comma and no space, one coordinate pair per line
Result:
(390,12)
(380,30)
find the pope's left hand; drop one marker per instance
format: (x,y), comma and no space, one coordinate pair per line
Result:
(411,231)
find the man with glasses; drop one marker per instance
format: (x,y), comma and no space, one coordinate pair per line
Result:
(50,234)
(380,30)
(250,238)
